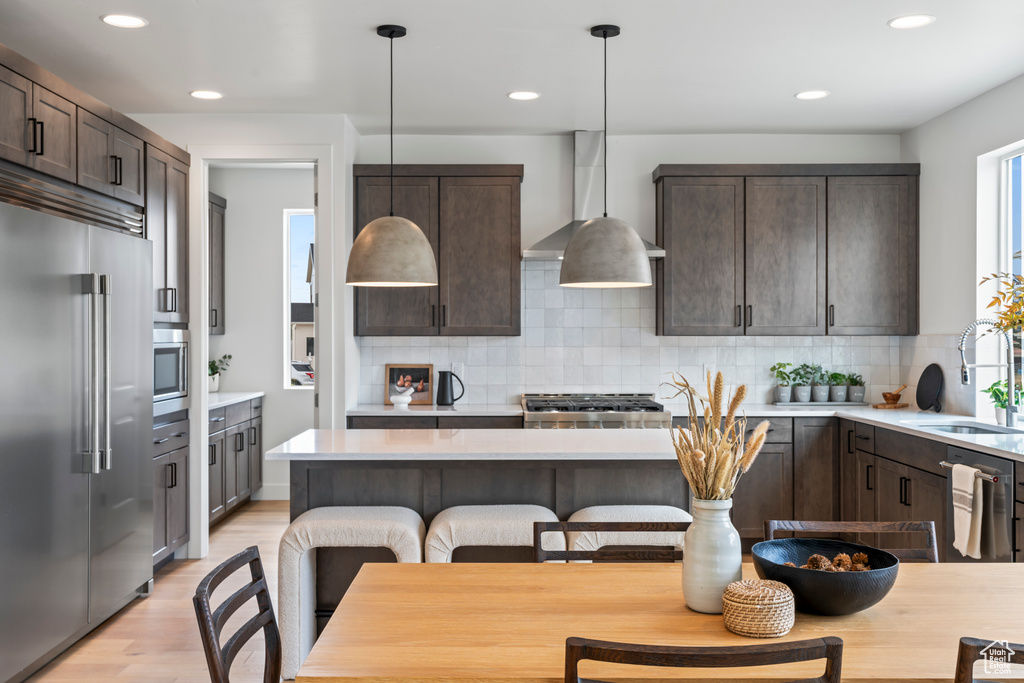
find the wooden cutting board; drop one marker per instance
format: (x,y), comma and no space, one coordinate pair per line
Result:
(890,406)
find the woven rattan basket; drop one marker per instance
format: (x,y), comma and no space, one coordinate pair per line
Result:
(758,609)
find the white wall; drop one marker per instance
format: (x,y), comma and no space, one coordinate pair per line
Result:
(547,180)
(958,154)
(254,316)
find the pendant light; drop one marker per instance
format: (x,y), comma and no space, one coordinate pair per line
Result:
(391,251)
(605,252)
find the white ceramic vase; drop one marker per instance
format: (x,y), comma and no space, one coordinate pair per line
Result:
(1001,417)
(213,383)
(712,557)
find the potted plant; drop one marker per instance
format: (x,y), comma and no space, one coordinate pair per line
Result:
(217,367)
(855,392)
(801,380)
(713,455)
(783,390)
(837,387)
(819,384)
(1000,397)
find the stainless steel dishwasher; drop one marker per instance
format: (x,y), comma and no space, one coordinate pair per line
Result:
(997,526)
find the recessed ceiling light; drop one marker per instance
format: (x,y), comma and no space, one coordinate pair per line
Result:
(812,95)
(206,95)
(523,95)
(123,20)
(911,21)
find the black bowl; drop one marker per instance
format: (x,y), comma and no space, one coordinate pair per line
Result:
(820,592)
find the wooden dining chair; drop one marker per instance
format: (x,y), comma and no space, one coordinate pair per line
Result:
(219,658)
(830,649)
(997,653)
(616,554)
(928,554)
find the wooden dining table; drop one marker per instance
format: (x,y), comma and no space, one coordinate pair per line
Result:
(507,623)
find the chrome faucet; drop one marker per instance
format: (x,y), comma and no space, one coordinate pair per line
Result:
(965,373)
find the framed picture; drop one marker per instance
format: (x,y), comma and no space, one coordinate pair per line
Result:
(401,379)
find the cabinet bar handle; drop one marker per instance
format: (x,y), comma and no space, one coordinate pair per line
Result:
(212,452)
(849,443)
(179,435)
(113,164)
(217,419)
(120,171)
(239,442)
(444,315)
(157,442)
(1016,534)
(906,492)
(252,441)
(35,135)
(832,315)
(213,314)
(39,152)
(739,315)
(864,438)
(173,474)
(903,500)
(433,314)
(750,315)
(867,478)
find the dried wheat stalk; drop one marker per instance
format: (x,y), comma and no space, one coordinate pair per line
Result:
(711,453)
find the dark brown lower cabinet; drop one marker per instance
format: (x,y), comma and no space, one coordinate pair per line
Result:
(765,492)
(240,444)
(1018,547)
(215,462)
(256,452)
(170,503)
(430,422)
(816,469)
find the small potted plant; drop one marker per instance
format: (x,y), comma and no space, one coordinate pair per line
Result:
(855,392)
(819,384)
(217,367)
(801,381)
(1000,397)
(837,387)
(783,391)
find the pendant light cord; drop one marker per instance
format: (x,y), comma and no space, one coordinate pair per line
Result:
(605,39)
(391,132)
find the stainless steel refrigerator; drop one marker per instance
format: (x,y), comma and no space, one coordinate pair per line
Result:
(76,420)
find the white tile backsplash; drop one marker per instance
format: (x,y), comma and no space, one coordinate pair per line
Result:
(604,341)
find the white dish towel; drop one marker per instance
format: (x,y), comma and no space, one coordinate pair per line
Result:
(968,504)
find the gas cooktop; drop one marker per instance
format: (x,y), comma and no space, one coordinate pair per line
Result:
(607,411)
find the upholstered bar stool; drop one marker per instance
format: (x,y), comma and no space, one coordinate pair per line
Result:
(487,525)
(397,528)
(595,540)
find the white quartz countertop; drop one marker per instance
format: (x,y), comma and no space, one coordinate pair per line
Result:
(468,410)
(477,444)
(227,398)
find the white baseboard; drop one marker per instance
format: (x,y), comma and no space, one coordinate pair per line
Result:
(272,492)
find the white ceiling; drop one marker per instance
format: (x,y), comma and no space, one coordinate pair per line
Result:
(679,66)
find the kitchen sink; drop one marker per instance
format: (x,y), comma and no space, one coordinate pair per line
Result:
(961,427)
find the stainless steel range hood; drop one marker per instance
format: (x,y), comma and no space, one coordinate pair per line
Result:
(587,199)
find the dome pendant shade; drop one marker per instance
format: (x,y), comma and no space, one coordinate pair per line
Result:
(605,253)
(391,252)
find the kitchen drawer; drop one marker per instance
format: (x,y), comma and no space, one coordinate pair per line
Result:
(218,420)
(393,422)
(779,431)
(915,451)
(255,408)
(864,437)
(480,422)
(170,437)
(237,413)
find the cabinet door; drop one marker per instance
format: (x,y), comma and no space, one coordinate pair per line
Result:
(217,211)
(398,310)
(56,151)
(870,259)
(167,227)
(1018,528)
(480,256)
(161,483)
(256,454)
(177,500)
(925,500)
(97,168)
(243,482)
(865,484)
(889,501)
(215,461)
(15,111)
(765,492)
(847,475)
(129,152)
(701,277)
(816,468)
(785,256)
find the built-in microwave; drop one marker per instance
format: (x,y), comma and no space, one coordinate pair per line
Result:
(170,371)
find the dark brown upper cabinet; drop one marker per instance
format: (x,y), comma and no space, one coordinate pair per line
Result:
(167,227)
(110,159)
(702,290)
(872,255)
(795,249)
(39,129)
(218,208)
(470,215)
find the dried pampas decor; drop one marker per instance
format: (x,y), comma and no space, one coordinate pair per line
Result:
(711,452)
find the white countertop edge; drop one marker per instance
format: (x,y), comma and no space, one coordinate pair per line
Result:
(228,398)
(467,410)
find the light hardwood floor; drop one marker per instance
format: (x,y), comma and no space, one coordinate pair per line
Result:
(156,640)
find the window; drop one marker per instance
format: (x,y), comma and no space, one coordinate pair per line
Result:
(1012,236)
(299,237)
